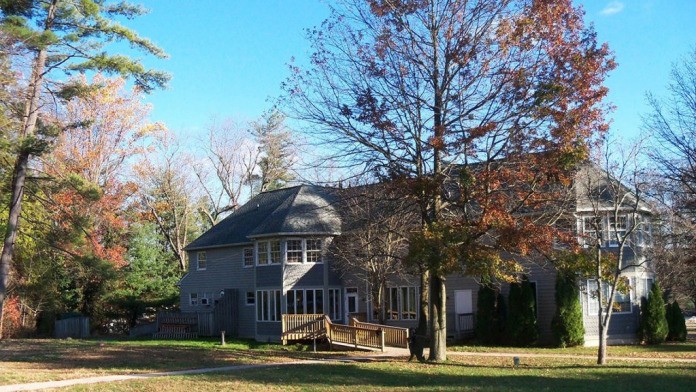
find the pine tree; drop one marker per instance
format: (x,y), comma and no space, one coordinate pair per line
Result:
(655,320)
(567,323)
(61,37)
(677,323)
(274,140)
(486,315)
(521,323)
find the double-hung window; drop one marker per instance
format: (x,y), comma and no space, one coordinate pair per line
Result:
(618,226)
(249,257)
(201,261)
(193,299)
(306,301)
(306,250)
(262,253)
(622,301)
(294,251)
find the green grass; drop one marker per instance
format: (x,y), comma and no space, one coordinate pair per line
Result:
(666,350)
(472,374)
(42,360)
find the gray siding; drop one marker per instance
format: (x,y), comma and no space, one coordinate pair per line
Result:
(269,276)
(304,275)
(224,270)
(268,331)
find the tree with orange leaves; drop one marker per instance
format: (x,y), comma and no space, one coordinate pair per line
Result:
(478,108)
(89,188)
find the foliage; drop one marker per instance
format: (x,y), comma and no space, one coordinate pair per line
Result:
(567,323)
(275,145)
(486,315)
(59,38)
(654,317)
(676,323)
(521,328)
(148,282)
(472,107)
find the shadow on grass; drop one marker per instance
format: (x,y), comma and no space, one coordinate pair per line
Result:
(145,355)
(426,377)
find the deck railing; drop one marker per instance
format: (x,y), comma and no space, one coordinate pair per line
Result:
(303,326)
(393,336)
(356,336)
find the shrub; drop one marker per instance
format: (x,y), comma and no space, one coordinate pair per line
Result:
(676,322)
(486,315)
(521,327)
(567,323)
(654,317)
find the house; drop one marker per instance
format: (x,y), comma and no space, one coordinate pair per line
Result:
(272,252)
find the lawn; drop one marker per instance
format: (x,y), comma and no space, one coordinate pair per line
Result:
(41,360)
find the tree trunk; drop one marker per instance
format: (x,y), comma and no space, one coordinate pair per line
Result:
(19,174)
(438,319)
(602,351)
(424,304)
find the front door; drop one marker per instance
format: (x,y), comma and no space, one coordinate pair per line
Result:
(351,302)
(463,308)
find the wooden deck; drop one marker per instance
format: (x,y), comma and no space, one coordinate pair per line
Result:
(358,335)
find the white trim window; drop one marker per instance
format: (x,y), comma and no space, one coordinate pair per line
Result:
(402,303)
(248,257)
(590,225)
(274,251)
(617,228)
(262,253)
(193,299)
(622,301)
(267,305)
(201,261)
(305,301)
(313,249)
(294,251)
(206,299)
(303,250)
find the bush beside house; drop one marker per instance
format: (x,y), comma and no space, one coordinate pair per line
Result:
(654,328)
(676,323)
(567,324)
(521,329)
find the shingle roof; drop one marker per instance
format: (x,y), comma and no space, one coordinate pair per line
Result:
(303,209)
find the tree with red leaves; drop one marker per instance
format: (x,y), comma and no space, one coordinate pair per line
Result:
(475,107)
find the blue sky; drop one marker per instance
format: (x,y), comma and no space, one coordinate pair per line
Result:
(227,57)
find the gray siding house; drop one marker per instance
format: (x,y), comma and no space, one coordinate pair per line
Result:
(273,252)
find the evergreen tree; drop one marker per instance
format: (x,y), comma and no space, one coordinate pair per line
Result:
(677,323)
(655,320)
(567,323)
(274,140)
(500,319)
(486,315)
(521,322)
(61,37)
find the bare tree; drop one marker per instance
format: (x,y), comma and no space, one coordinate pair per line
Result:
(168,197)
(374,239)
(611,194)
(227,172)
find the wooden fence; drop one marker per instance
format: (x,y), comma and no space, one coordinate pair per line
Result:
(393,336)
(356,336)
(75,327)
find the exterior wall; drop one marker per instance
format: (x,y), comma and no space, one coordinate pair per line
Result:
(224,270)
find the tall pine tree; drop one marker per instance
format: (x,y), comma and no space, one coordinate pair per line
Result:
(61,37)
